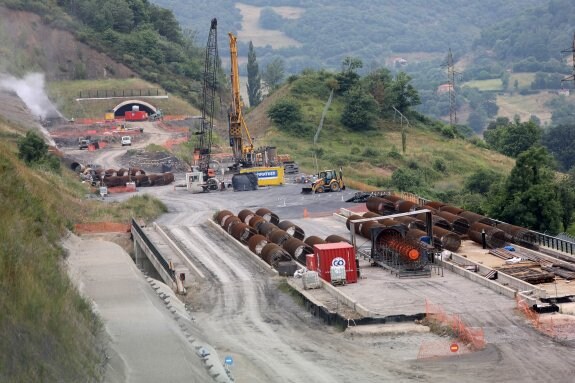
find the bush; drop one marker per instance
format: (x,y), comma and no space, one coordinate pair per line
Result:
(406,180)
(285,112)
(440,165)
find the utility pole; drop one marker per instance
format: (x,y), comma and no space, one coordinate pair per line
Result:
(572,51)
(451,83)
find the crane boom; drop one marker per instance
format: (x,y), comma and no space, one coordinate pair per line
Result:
(203,150)
(243,154)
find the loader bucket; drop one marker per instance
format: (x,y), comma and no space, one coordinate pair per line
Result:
(306,190)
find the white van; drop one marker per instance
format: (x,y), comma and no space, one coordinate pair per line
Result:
(126,140)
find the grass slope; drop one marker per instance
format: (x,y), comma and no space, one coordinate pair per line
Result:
(369,158)
(64,94)
(49,333)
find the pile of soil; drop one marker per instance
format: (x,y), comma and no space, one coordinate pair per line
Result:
(154,162)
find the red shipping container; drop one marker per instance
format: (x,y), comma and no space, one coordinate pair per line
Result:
(335,254)
(310,262)
(135,115)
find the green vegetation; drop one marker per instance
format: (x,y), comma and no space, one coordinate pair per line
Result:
(64,93)
(254,80)
(512,138)
(49,332)
(33,150)
(437,160)
(143,36)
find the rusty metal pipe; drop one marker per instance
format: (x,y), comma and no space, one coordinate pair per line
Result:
(268,215)
(256,243)
(292,229)
(245,215)
(278,236)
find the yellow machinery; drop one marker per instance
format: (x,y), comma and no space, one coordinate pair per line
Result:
(267,176)
(243,154)
(328,180)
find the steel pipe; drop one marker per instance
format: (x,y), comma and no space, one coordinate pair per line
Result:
(268,215)
(256,243)
(272,254)
(292,229)
(242,232)
(279,236)
(245,215)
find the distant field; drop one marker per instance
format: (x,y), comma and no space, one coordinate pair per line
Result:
(525,106)
(251,30)
(524,80)
(64,94)
(484,85)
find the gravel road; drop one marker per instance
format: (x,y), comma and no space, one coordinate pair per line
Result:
(242,313)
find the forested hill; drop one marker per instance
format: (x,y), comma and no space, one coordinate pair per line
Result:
(329,30)
(539,33)
(143,36)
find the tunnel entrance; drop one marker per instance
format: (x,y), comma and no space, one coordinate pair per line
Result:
(126,106)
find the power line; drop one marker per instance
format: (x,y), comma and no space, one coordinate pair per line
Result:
(572,51)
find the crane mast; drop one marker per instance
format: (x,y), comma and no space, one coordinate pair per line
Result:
(203,150)
(243,154)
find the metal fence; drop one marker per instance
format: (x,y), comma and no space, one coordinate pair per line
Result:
(154,250)
(107,93)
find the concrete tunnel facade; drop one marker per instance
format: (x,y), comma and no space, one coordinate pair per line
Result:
(126,106)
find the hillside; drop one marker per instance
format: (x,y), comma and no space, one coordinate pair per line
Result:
(50,333)
(435,162)
(309,34)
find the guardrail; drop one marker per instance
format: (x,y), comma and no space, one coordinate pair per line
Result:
(105,93)
(555,243)
(154,251)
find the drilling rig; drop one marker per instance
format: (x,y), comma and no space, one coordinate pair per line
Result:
(243,154)
(202,177)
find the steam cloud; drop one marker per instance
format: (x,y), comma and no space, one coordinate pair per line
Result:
(31,91)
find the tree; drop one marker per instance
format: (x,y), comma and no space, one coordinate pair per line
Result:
(285,112)
(528,197)
(348,76)
(403,94)
(32,148)
(254,81)
(559,140)
(481,181)
(274,74)
(512,138)
(360,110)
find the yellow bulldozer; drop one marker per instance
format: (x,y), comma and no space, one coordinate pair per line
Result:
(327,180)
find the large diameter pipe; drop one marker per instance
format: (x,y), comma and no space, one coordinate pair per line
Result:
(314,240)
(460,225)
(297,249)
(266,228)
(472,217)
(272,254)
(230,222)
(222,216)
(242,232)
(334,238)
(494,238)
(451,209)
(357,226)
(292,229)
(256,221)
(256,243)
(447,239)
(278,236)
(268,215)
(245,215)
(366,228)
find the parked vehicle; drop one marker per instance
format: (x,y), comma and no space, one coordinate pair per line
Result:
(126,141)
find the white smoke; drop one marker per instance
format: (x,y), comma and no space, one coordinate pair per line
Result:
(31,91)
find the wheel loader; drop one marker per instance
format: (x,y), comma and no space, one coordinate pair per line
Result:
(327,180)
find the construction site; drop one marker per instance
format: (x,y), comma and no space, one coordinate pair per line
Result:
(322,282)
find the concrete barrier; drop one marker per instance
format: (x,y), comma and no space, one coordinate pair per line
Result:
(178,251)
(505,284)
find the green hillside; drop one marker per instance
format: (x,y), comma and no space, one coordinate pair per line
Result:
(436,162)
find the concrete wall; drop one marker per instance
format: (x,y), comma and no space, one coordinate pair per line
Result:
(504,284)
(142,249)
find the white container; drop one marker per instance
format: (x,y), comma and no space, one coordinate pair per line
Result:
(311,280)
(135,108)
(337,275)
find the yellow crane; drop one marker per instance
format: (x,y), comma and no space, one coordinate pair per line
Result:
(243,154)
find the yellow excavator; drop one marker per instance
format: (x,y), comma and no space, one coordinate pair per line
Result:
(243,154)
(327,180)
